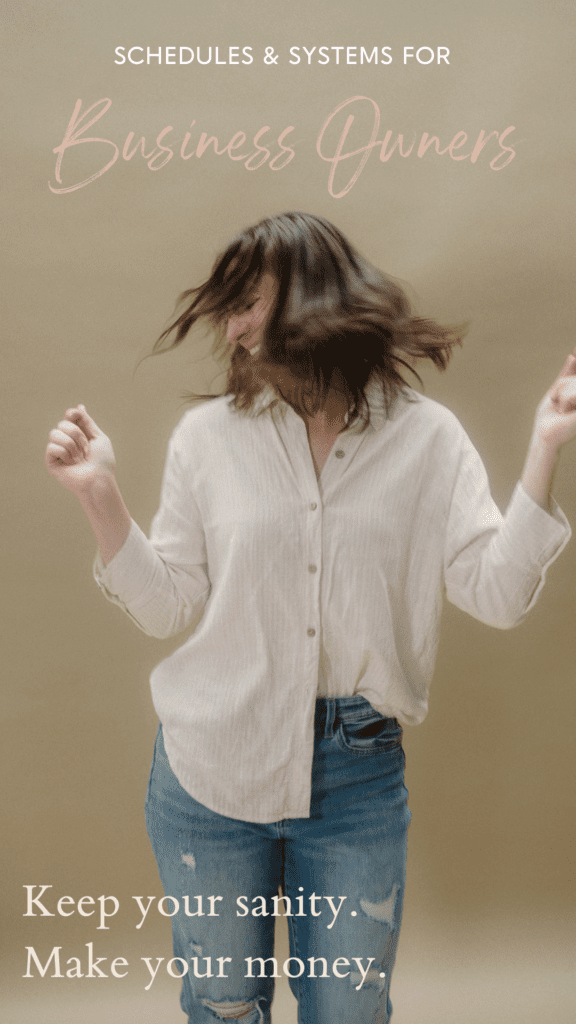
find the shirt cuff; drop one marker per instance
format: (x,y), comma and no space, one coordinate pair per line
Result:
(122,579)
(532,533)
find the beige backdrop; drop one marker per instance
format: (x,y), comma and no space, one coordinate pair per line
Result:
(92,275)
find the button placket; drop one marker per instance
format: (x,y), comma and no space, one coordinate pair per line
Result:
(339,461)
(312,569)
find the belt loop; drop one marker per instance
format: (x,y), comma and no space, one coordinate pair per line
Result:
(330,716)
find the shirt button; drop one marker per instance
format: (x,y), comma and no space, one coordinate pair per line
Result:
(312,568)
(339,454)
(311,632)
(313,505)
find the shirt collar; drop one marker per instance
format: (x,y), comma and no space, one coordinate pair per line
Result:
(267,398)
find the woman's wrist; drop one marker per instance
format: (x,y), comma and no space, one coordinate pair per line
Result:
(538,472)
(108,516)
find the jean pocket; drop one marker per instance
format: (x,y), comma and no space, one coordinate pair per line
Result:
(372,734)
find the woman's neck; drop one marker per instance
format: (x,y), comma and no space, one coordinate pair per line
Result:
(323,429)
(331,418)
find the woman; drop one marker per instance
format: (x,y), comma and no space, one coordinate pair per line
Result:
(310,520)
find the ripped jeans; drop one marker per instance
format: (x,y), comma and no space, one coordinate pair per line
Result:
(341,873)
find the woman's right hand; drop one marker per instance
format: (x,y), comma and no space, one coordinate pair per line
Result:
(78,452)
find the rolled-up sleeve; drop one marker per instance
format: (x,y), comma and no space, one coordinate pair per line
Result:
(162,583)
(495,565)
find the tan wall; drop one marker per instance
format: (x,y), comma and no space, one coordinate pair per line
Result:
(92,276)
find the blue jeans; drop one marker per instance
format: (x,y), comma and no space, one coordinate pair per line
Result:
(341,872)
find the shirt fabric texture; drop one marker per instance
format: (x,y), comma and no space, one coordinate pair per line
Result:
(296,587)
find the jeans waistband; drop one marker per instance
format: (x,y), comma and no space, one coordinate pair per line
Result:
(333,711)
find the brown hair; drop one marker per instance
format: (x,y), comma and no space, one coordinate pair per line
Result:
(336,322)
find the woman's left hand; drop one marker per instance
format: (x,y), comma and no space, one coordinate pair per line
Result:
(555,422)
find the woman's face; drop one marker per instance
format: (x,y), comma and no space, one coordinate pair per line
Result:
(245,326)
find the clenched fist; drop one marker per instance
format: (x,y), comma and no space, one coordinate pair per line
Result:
(556,415)
(78,452)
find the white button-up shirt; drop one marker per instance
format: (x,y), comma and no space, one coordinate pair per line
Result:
(295,586)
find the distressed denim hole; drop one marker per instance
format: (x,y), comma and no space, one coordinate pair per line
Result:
(232,1011)
(384,911)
